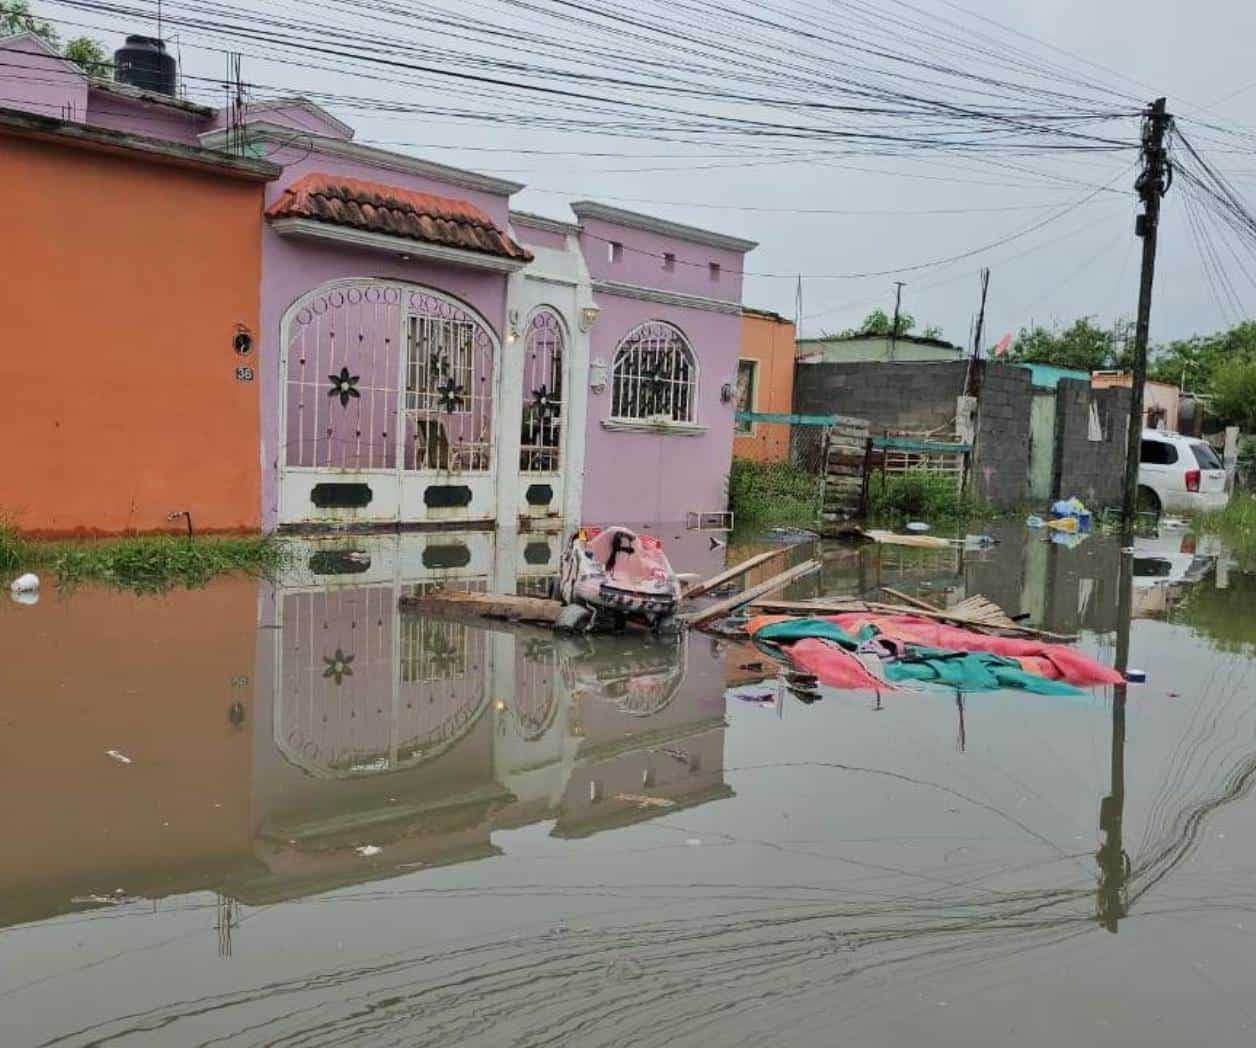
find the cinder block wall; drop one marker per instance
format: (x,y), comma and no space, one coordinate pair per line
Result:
(1000,470)
(921,395)
(1093,470)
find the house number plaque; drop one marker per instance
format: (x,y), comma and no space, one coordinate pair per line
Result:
(244,374)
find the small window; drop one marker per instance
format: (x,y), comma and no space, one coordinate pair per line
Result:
(615,251)
(1158,453)
(713,270)
(747,390)
(669,261)
(1205,456)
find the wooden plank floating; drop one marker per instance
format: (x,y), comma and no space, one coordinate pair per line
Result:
(841,605)
(776,582)
(507,606)
(736,571)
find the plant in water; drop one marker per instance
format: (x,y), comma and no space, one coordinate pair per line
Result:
(918,495)
(773,493)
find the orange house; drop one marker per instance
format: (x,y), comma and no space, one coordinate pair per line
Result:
(765,383)
(128,311)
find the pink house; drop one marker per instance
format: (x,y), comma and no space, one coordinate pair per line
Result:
(426,356)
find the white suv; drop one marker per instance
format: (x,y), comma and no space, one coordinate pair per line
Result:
(1177,473)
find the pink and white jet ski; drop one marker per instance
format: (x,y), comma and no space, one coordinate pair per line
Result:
(617,574)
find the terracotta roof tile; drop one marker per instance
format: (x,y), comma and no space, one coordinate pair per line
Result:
(397,212)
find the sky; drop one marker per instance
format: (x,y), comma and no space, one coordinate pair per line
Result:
(813,213)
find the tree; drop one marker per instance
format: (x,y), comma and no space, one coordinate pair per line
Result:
(1194,362)
(86,53)
(1234,391)
(1082,346)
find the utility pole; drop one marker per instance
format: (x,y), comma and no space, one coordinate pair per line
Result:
(981,314)
(898,301)
(1152,183)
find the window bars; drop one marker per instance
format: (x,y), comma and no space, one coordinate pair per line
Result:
(540,440)
(654,376)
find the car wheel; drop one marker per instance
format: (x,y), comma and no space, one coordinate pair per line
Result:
(1147,501)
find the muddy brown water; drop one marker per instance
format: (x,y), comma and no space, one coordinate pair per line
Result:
(285,814)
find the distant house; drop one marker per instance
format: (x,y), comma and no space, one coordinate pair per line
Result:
(874,349)
(1160,399)
(1048,376)
(765,383)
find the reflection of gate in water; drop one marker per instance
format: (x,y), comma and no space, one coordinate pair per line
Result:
(362,691)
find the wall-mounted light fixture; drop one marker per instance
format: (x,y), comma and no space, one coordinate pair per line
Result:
(727,392)
(242,342)
(512,332)
(597,376)
(588,317)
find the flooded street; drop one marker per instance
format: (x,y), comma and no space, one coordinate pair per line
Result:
(289,814)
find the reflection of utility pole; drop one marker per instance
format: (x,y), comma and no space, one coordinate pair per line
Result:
(1113,866)
(228,917)
(959,705)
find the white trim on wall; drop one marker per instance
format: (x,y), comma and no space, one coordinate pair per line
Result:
(667,298)
(652,224)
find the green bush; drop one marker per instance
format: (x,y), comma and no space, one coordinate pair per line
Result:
(917,495)
(773,493)
(149,564)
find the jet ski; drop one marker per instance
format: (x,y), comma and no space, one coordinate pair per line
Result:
(615,574)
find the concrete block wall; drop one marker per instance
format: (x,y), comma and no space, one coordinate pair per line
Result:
(901,395)
(1000,467)
(1093,470)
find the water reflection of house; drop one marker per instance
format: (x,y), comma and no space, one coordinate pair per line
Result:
(421,737)
(164,682)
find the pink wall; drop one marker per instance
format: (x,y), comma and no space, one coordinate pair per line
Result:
(290,268)
(106,109)
(636,478)
(533,237)
(36,82)
(642,261)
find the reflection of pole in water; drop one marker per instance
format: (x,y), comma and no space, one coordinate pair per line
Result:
(1113,864)
(959,705)
(227,918)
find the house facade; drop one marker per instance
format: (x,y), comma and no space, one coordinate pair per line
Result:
(130,325)
(765,384)
(427,357)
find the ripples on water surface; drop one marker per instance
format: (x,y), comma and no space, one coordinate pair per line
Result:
(344,825)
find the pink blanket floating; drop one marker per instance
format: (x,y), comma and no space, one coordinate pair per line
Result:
(834,665)
(1069,665)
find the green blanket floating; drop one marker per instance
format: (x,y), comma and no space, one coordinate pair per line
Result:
(794,630)
(971,671)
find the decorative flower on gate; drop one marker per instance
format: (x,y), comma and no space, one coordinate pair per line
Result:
(657,383)
(342,386)
(544,403)
(338,666)
(450,395)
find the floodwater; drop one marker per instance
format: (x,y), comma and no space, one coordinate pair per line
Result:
(289,814)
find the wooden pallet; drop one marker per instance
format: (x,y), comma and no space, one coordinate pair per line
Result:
(845,461)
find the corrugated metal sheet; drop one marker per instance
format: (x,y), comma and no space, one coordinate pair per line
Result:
(381,208)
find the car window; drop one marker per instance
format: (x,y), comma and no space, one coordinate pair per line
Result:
(1205,456)
(1158,453)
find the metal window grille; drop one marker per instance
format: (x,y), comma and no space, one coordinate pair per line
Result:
(543,407)
(654,376)
(448,394)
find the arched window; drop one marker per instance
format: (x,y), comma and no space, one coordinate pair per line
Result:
(654,376)
(540,445)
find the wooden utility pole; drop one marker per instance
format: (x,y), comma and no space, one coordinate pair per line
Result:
(1152,183)
(981,314)
(898,301)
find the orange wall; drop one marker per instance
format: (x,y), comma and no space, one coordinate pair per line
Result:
(123,284)
(771,342)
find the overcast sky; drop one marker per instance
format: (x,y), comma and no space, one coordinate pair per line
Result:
(1084,263)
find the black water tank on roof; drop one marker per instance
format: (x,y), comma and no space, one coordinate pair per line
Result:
(143,62)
